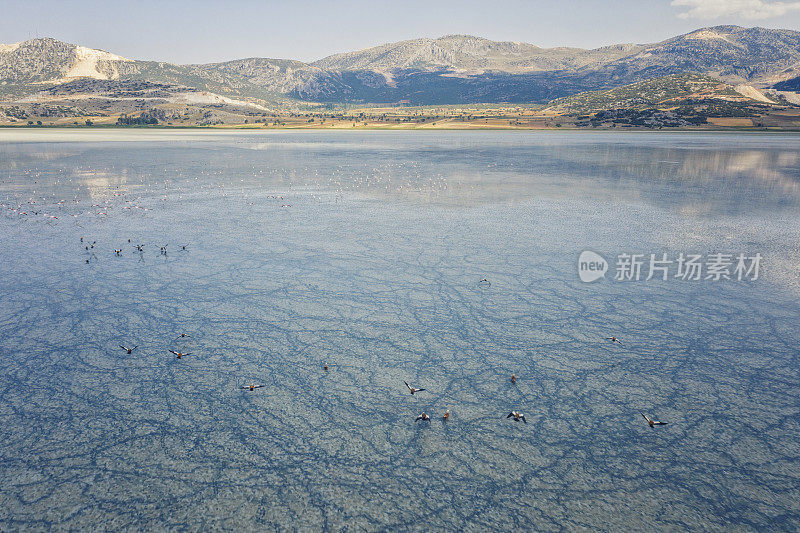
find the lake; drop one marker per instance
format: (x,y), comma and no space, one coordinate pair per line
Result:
(366,251)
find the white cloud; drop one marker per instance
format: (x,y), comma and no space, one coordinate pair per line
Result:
(747,9)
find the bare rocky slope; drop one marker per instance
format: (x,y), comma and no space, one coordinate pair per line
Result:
(454,69)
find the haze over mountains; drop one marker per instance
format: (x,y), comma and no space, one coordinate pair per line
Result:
(454,69)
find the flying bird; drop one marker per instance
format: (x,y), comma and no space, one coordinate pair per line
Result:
(129,350)
(423,416)
(179,354)
(651,422)
(517,416)
(252,387)
(412,389)
(613,339)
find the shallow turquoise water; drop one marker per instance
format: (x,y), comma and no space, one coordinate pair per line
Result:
(364,250)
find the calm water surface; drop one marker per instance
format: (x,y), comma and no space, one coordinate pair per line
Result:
(364,250)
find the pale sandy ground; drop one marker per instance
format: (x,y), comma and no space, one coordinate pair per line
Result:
(730,121)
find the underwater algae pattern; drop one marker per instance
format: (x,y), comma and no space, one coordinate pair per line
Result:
(364,252)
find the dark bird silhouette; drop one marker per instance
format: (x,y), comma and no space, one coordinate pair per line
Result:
(517,416)
(129,350)
(513,378)
(651,422)
(412,389)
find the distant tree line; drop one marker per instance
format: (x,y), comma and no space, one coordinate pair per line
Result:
(146,118)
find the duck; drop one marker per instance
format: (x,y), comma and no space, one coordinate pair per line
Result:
(446,415)
(129,350)
(517,416)
(513,378)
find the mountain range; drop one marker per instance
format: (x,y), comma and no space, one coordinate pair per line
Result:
(455,69)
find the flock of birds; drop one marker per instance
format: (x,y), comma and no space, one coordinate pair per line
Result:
(90,247)
(517,416)
(425,417)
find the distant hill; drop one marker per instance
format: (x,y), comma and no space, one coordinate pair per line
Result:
(792,84)
(460,69)
(42,60)
(736,54)
(472,54)
(667,91)
(39,64)
(455,69)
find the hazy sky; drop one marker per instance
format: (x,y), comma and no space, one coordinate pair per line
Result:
(184,31)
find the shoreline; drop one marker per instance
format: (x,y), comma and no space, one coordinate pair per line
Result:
(244,128)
